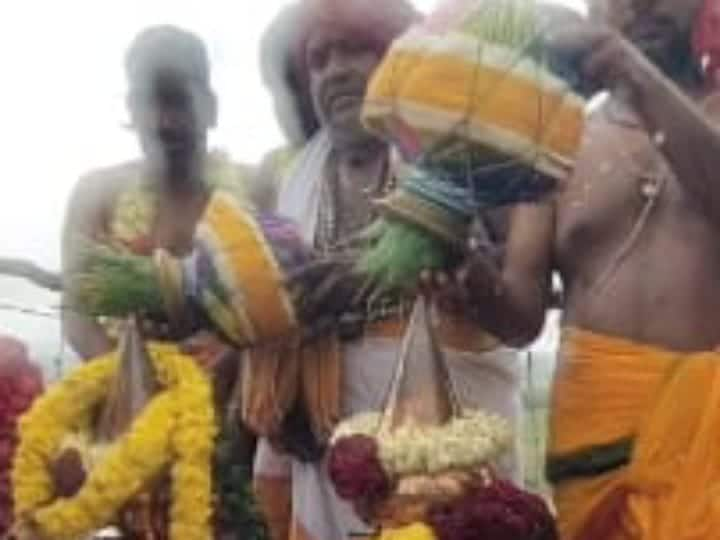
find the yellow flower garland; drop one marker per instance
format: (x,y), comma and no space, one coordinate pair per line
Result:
(176,429)
(416,531)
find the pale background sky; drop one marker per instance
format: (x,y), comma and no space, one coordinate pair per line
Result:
(62,111)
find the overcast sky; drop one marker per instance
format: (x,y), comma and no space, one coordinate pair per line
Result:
(62,110)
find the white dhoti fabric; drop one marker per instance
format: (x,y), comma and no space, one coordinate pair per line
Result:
(489,381)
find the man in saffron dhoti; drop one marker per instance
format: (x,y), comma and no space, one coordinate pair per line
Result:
(634,447)
(316,58)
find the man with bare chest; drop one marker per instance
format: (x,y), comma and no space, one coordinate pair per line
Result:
(157,203)
(634,236)
(154,203)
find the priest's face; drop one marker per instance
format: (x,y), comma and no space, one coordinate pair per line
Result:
(339,67)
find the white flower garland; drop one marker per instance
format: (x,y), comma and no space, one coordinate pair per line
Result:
(468,441)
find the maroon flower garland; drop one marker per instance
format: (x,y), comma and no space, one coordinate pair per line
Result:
(20,384)
(499,510)
(489,509)
(356,471)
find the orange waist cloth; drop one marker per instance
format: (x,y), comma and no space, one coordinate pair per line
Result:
(635,441)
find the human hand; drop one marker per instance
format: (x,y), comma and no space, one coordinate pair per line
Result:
(207,348)
(325,289)
(476,277)
(461,291)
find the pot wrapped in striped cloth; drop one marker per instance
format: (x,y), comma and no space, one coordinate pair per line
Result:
(473,100)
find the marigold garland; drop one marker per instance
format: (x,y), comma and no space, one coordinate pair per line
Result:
(416,531)
(176,430)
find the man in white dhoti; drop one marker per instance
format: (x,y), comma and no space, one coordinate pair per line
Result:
(316,60)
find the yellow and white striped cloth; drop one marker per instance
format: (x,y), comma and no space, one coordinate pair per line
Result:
(444,81)
(257,305)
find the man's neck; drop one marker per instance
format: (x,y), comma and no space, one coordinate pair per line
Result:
(360,151)
(363,166)
(182,181)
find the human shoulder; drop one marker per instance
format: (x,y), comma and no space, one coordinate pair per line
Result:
(91,202)
(113,174)
(101,186)
(604,127)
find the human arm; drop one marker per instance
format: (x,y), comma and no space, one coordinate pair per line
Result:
(684,134)
(83,220)
(510,298)
(25,269)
